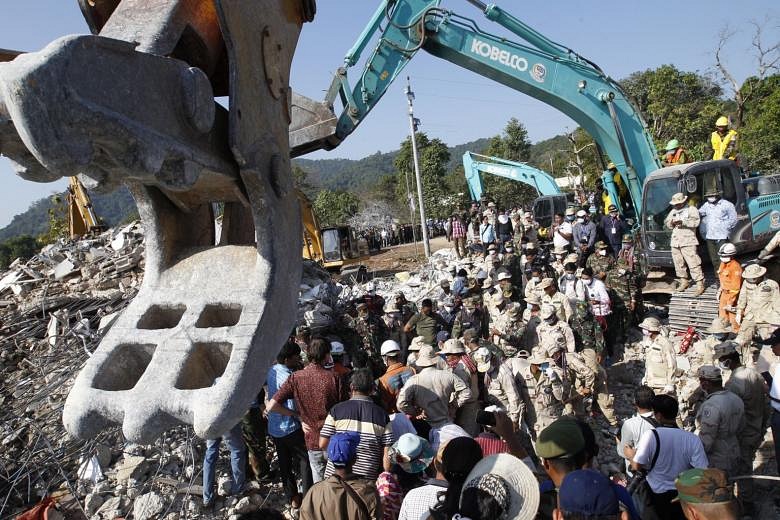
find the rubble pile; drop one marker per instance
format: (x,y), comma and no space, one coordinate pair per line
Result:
(54,309)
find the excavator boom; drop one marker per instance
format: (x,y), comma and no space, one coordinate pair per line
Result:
(475,164)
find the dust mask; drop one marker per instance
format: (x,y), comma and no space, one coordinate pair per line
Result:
(712,200)
(603,252)
(725,259)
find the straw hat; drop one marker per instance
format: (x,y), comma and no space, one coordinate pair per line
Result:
(678,198)
(417,343)
(510,482)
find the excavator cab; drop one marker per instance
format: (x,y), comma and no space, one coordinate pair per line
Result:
(341,247)
(694,180)
(547,206)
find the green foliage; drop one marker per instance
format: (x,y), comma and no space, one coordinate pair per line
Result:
(760,133)
(22,246)
(434,156)
(676,105)
(335,207)
(513,145)
(58,220)
(302,180)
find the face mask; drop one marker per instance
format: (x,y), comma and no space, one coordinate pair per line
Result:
(712,200)
(569,219)
(580,221)
(603,252)
(725,259)
(587,281)
(448,309)
(613,215)
(724,365)
(645,333)
(751,282)
(570,276)
(536,279)
(626,246)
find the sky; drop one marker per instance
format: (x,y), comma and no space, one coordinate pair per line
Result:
(453,104)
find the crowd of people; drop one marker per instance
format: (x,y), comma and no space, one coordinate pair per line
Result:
(484,399)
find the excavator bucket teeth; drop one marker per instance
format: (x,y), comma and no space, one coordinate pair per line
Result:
(213,310)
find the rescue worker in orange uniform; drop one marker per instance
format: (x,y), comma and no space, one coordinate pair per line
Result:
(675,154)
(730,276)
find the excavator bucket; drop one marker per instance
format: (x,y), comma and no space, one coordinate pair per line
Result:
(134,104)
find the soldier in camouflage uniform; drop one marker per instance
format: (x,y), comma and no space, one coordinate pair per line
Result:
(544,390)
(467,317)
(372,333)
(588,333)
(579,381)
(624,291)
(513,264)
(509,291)
(508,330)
(601,261)
(604,399)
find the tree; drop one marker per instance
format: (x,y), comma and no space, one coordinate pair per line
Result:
(761,124)
(766,55)
(434,157)
(22,246)
(676,105)
(335,207)
(58,220)
(513,145)
(302,181)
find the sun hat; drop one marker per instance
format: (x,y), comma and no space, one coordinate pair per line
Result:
(453,346)
(482,358)
(533,299)
(539,357)
(427,357)
(336,348)
(754,271)
(545,283)
(417,343)
(412,453)
(678,198)
(652,324)
(509,481)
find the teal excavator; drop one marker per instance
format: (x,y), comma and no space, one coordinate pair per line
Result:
(556,75)
(550,200)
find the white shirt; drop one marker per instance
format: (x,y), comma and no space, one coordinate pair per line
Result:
(680,451)
(558,240)
(598,291)
(631,432)
(419,501)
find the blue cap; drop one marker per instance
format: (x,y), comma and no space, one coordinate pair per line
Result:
(587,492)
(342,448)
(442,335)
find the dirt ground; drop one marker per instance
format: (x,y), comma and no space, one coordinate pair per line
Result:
(406,257)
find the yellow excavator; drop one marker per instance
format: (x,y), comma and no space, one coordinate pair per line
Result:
(82,219)
(334,247)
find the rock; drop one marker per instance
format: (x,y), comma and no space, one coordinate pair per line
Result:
(133,493)
(131,467)
(224,486)
(172,516)
(103,486)
(150,505)
(92,503)
(103,454)
(245,505)
(113,507)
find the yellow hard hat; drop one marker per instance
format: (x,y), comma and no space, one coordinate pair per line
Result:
(543,232)
(722,121)
(611,166)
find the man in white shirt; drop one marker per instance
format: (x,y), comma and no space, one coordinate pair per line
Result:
(679,451)
(633,428)
(563,230)
(596,294)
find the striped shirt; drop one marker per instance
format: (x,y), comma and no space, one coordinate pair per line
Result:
(361,415)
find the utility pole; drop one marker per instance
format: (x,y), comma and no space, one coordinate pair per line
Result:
(413,124)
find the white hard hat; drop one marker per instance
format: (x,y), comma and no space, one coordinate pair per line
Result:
(388,347)
(370,286)
(727,249)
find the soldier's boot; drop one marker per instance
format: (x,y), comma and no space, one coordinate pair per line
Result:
(682,284)
(700,288)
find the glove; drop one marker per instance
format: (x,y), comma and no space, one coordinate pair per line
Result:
(669,389)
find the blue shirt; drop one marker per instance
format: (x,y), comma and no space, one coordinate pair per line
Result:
(623,496)
(280,425)
(486,233)
(717,220)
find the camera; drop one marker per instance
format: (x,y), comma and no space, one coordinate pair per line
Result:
(485,418)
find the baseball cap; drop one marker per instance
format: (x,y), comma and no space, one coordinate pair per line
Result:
(589,493)
(703,486)
(709,373)
(342,448)
(563,438)
(442,335)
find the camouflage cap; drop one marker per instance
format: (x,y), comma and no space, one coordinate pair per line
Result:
(703,486)
(628,239)
(547,311)
(725,349)
(563,438)
(601,245)
(533,300)
(709,373)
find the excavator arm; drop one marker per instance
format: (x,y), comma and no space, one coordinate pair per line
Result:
(540,68)
(81,215)
(474,164)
